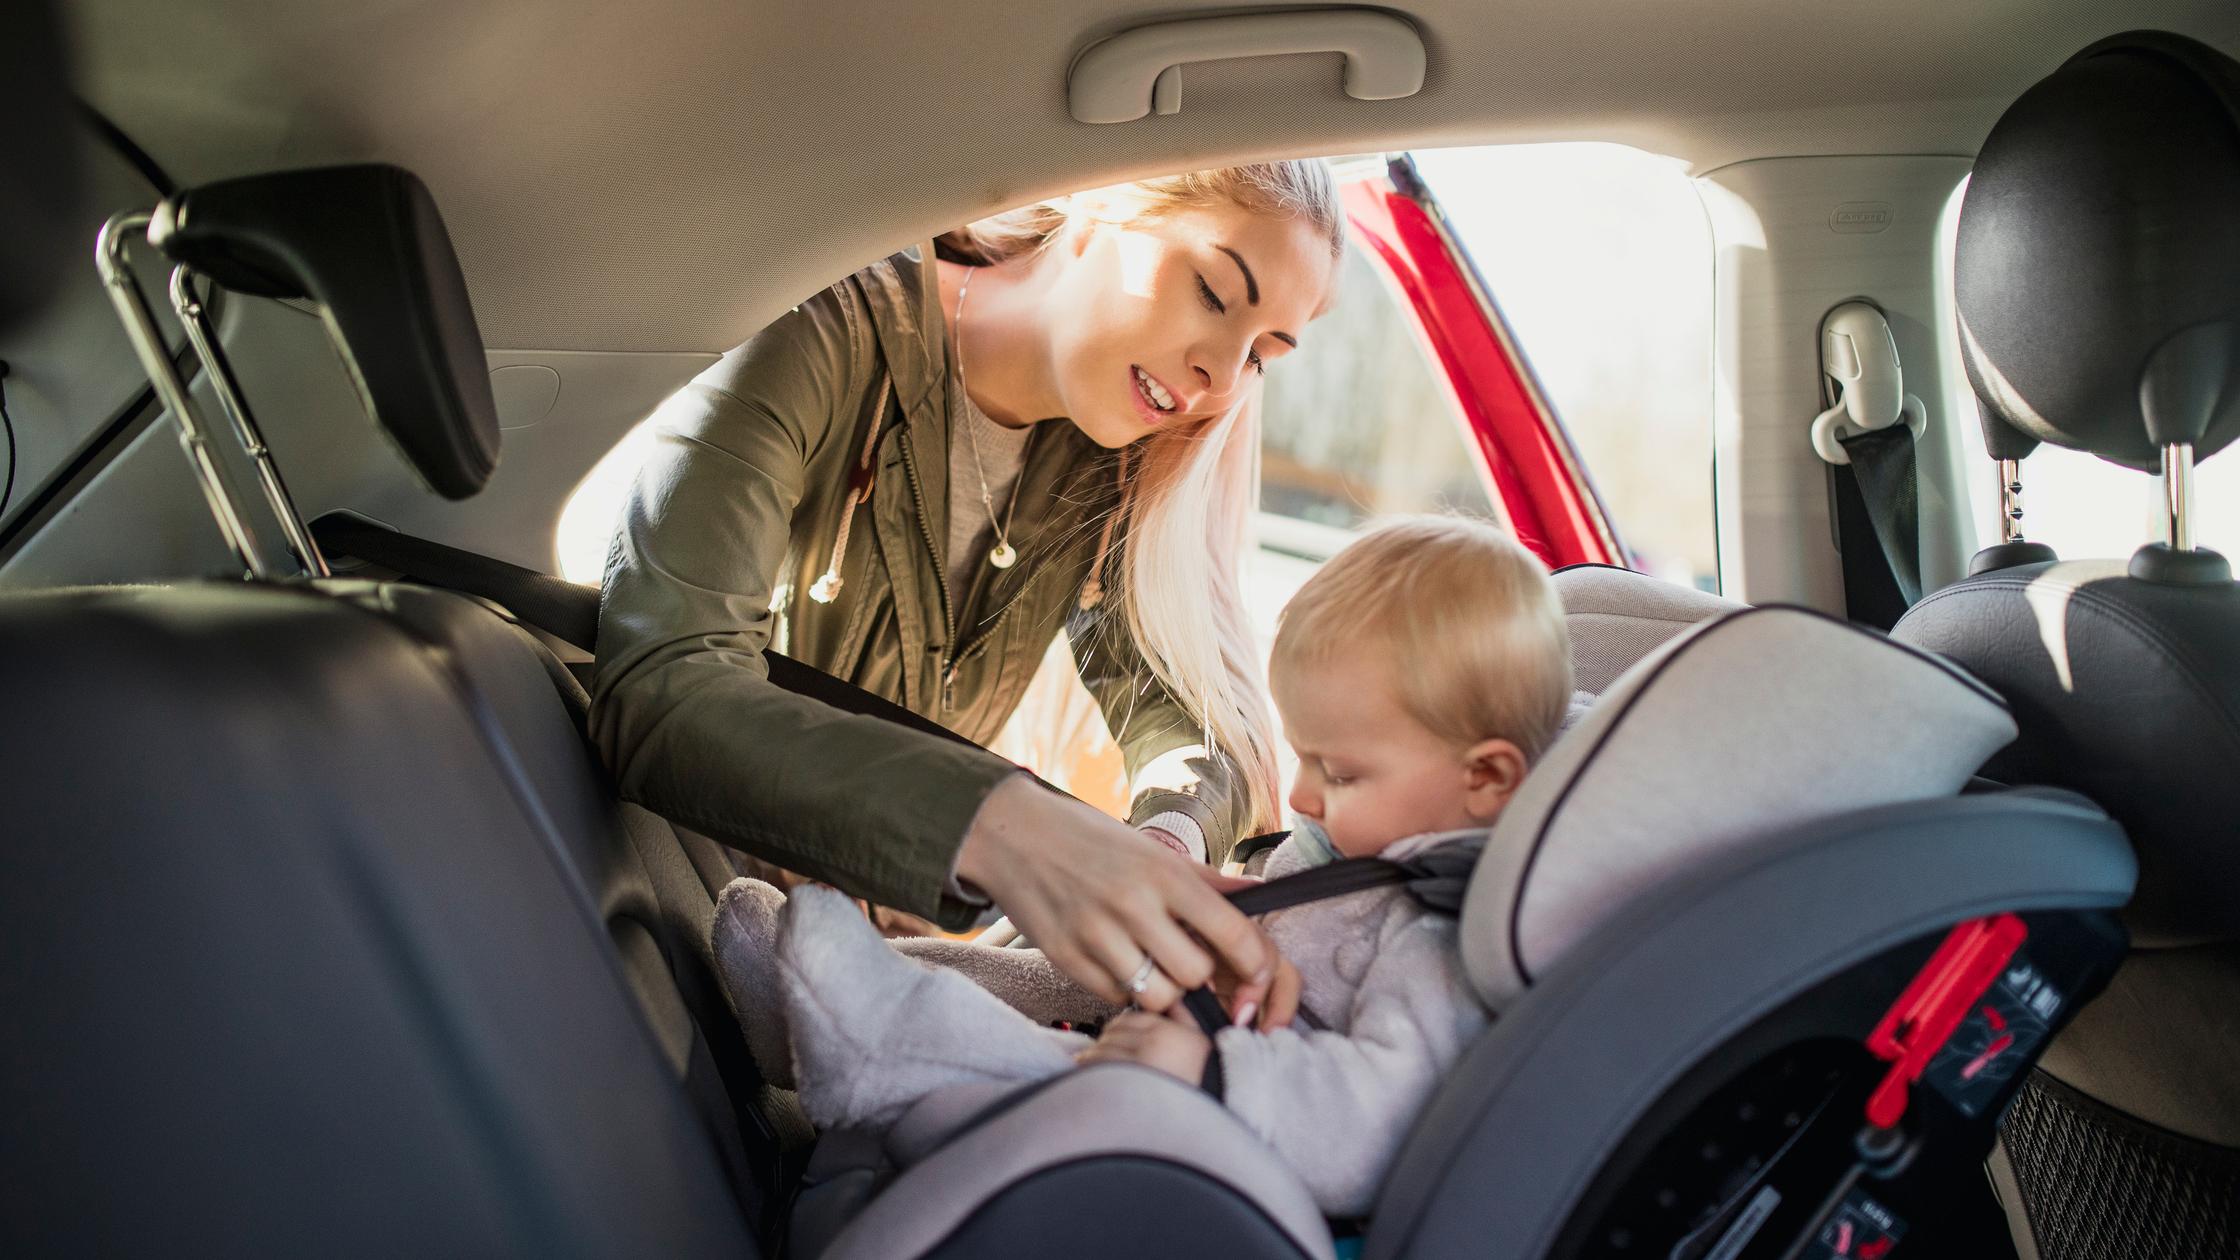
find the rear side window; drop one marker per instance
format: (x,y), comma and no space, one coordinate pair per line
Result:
(71,373)
(1600,257)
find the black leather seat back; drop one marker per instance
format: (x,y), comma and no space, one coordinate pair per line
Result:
(292,969)
(2128,692)
(653,887)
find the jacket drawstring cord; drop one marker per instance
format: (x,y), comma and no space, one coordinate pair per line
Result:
(825,589)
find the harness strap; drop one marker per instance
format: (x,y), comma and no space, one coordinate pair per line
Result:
(1341,878)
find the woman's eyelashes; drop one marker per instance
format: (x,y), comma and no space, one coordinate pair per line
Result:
(1214,303)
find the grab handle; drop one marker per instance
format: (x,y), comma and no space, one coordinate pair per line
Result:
(1139,71)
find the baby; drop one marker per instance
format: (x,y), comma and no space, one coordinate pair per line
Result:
(1418,675)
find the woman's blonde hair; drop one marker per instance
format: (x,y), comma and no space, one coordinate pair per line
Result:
(1185,512)
(1465,615)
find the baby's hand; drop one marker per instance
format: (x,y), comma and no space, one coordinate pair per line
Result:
(1173,1046)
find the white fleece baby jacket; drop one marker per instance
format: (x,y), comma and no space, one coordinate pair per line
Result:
(1384,974)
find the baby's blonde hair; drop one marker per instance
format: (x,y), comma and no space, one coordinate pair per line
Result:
(1466,617)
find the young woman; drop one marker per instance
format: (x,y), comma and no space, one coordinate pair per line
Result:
(914,481)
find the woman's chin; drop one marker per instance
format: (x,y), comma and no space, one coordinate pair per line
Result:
(1112,432)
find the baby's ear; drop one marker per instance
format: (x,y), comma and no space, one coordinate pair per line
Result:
(1492,770)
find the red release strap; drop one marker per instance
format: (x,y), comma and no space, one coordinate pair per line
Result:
(1923,1018)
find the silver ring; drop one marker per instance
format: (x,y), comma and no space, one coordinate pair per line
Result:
(1140,981)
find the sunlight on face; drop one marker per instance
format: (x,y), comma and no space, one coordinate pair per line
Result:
(1139,263)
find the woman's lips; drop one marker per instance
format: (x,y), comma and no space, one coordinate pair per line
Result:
(1142,395)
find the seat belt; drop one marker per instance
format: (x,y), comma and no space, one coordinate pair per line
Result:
(1866,433)
(1878,526)
(569,611)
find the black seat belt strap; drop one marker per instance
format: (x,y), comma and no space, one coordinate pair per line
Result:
(1336,879)
(1878,525)
(569,611)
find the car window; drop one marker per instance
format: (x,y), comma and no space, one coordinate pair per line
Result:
(1600,258)
(70,369)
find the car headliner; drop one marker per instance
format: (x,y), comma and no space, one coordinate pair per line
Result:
(670,174)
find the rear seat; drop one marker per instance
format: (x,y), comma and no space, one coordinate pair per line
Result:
(324,930)
(291,966)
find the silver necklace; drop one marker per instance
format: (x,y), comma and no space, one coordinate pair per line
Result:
(1001,555)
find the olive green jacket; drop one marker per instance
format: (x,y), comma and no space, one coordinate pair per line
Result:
(733,518)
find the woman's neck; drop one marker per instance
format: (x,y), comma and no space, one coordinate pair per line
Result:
(1005,348)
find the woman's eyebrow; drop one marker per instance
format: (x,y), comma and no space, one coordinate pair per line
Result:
(1251,284)
(1252,292)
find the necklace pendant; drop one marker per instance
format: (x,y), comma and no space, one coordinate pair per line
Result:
(1003,557)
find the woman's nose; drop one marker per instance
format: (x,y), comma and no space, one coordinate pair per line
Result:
(1218,368)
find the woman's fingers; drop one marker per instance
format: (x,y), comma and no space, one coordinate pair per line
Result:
(1282,1003)
(1237,942)
(1116,946)
(1100,898)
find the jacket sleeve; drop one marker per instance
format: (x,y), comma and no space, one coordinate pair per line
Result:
(1169,765)
(1336,1106)
(682,708)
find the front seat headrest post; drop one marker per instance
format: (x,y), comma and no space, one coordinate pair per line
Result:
(2177,493)
(139,323)
(195,318)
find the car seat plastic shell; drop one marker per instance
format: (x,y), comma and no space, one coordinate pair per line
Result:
(1533,1110)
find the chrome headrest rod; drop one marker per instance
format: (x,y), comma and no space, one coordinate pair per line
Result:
(155,359)
(194,317)
(2177,493)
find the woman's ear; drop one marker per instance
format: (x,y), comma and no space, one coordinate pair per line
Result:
(1492,770)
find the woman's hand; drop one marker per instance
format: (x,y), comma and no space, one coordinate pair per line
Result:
(1279,1001)
(1099,898)
(1155,1041)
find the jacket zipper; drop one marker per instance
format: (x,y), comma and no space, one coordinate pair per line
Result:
(966,652)
(941,663)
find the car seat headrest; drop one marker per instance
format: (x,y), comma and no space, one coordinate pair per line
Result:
(1759,720)
(41,184)
(2097,271)
(366,243)
(1617,616)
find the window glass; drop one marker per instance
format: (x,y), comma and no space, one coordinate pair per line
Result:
(70,369)
(1600,258)
(1357,425)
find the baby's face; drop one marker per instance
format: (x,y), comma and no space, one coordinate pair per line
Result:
(1369,773)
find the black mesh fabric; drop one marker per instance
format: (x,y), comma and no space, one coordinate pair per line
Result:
(2100,1185)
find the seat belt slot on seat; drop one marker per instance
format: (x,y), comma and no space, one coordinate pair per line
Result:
(1921,1023)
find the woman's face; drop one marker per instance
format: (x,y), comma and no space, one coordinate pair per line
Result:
(1169,321)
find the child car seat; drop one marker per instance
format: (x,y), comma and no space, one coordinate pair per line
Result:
(1733,915)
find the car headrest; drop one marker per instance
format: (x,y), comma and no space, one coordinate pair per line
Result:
(1757,721)
(1617,616)
(2097,270)
(43,228)
(365,243)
